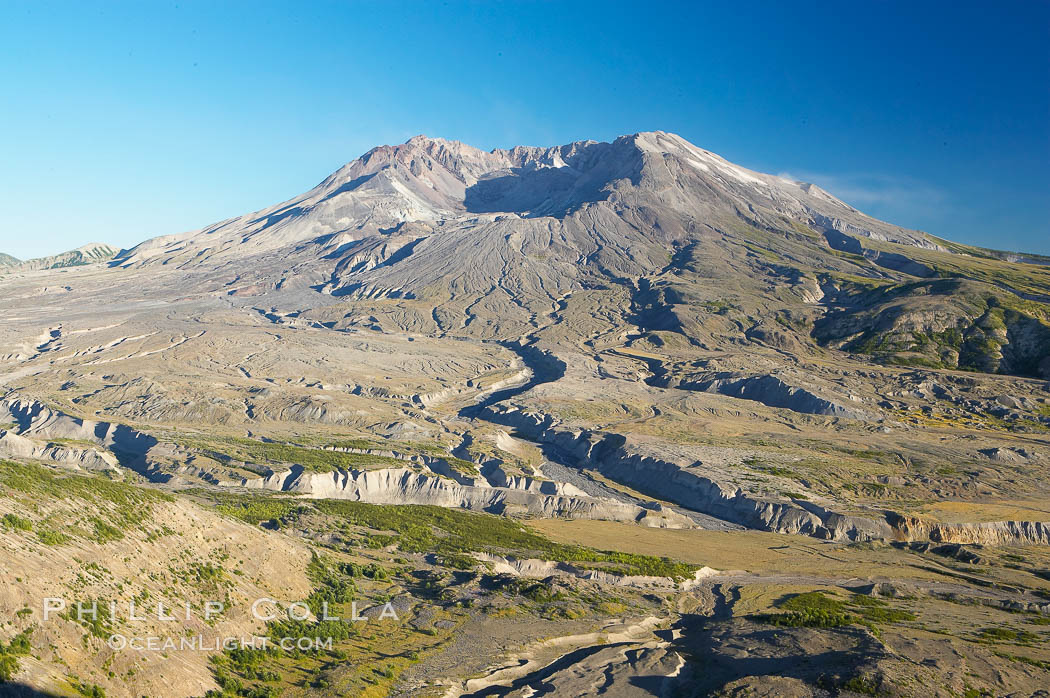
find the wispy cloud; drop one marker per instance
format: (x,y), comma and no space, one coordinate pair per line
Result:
(877,191)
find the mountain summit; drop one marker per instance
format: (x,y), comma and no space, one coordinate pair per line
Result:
(488,244)
(434,181)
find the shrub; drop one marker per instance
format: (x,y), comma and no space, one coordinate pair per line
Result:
(17,523)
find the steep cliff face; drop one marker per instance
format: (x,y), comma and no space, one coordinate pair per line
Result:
(545,569)
(690,486)
(37,421)
(431,482)
(911,528)
(15,446)
(405,486)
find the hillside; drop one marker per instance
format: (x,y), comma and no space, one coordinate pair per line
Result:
(92,253)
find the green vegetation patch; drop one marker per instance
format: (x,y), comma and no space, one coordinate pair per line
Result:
(940,323)
(812,609)
(16,523)
(356,658)
(815,609)
(88,690)
(259,508)
(452,533)
(49,537)
(333,584)
(93,614)
(1045,666)
(18,647)
(119,506)
(1001,634)
(317,455)
(245,450)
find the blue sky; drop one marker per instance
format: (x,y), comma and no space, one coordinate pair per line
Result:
(121,121)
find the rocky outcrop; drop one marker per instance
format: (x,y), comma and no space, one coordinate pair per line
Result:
(518,496)
(37,421)
(407,486)
(689,486)
(14,446)
(772,391)
(544,569)
(1004,455)
(986,533)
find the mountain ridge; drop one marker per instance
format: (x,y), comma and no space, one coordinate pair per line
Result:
(90,253)
(489,245)
(427,180)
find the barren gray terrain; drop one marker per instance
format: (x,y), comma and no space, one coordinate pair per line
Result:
(615,419)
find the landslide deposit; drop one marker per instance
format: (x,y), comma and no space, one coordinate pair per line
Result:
(675,426)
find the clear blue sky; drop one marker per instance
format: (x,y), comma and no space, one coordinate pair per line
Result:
(121,121)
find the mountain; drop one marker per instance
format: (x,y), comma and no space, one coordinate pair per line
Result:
(91,253)
(581,415)
(495,239)
(434,182)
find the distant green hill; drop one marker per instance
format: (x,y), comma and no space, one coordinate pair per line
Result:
(86,254)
